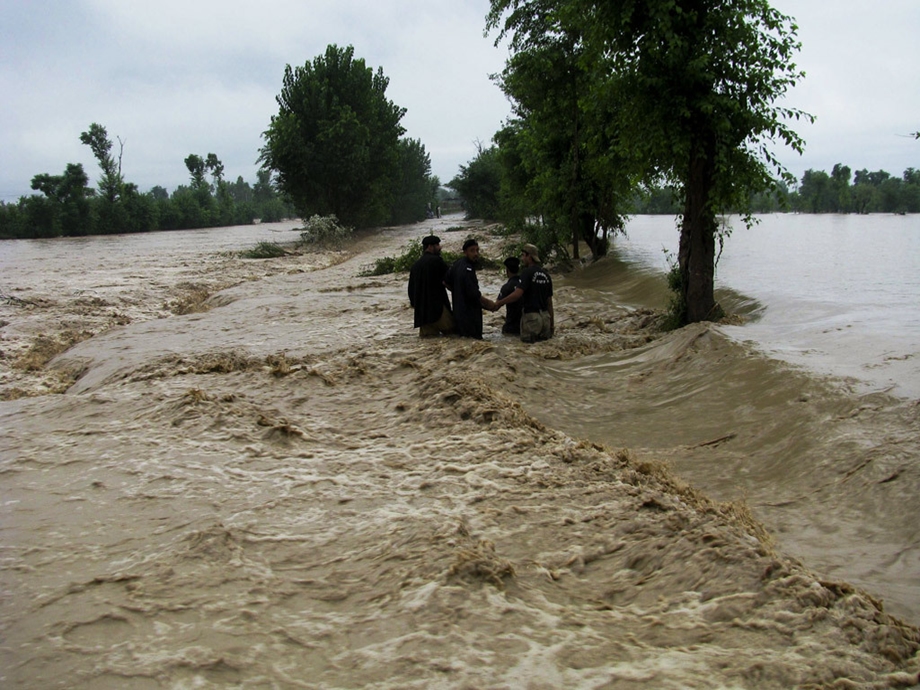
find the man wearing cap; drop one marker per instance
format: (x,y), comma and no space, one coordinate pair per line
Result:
(512,325)
(426,291)
(536,296)
(468,300)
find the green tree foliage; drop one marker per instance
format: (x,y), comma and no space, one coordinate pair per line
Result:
(840,186)
(68,203)
(197,169)
(112,214)
(871,192)
(479,184)
(111,182)
(215,199)
(334,143)
(159,193)
(556,150)
(687,91)
(416,187)
(335,147)
(816,193)
(823,193)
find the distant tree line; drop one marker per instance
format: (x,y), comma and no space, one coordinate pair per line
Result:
(862,192)
(818,192)
(69,207)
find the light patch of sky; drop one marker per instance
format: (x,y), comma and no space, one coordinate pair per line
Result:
(199,76)
(862,83)
(174,78)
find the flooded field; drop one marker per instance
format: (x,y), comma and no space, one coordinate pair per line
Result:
(266,479)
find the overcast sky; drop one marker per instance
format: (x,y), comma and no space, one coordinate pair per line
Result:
(175,77)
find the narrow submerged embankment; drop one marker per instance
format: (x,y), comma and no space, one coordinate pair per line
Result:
(292,489)
(830,471)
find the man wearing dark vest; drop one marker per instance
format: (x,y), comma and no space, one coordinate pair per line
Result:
(536,296)
(427,294)
(464,286)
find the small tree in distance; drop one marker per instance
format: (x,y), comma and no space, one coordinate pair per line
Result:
(98,141)
(479,184)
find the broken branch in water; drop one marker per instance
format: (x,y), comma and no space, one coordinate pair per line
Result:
(716,441)
(10,299)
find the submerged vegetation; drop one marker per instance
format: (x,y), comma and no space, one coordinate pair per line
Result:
(264,250)
(325,232)
(319,232)
(403,261)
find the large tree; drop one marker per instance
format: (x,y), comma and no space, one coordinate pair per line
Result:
(68,199)
(556,150)
(416,187)
(691,89)
(334,144)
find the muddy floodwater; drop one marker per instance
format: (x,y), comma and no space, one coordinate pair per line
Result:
(221,472)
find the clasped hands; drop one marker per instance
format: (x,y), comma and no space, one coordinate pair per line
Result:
(490,305)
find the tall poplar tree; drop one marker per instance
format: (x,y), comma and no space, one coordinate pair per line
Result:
(334,143)
(111,182)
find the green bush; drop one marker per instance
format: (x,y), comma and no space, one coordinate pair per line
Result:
(396,264)
(324,232)
(264,250)
(676,313)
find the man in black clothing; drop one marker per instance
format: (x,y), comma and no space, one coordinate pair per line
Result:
(536,296)
(513,310)
(426,291)
(468,300)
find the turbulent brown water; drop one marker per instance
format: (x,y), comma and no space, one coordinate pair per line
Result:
(259,476)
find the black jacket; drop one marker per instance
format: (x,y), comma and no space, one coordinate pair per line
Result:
(426,289)
(464,287)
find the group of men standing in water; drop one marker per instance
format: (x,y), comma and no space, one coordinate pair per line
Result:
(527,294)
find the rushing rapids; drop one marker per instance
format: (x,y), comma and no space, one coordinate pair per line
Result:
(271,481)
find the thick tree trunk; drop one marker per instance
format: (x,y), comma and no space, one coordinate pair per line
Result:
(697,253)
(576,170)
(588,228)
(575,252)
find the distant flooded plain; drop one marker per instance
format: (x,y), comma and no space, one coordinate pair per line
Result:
(837,294)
